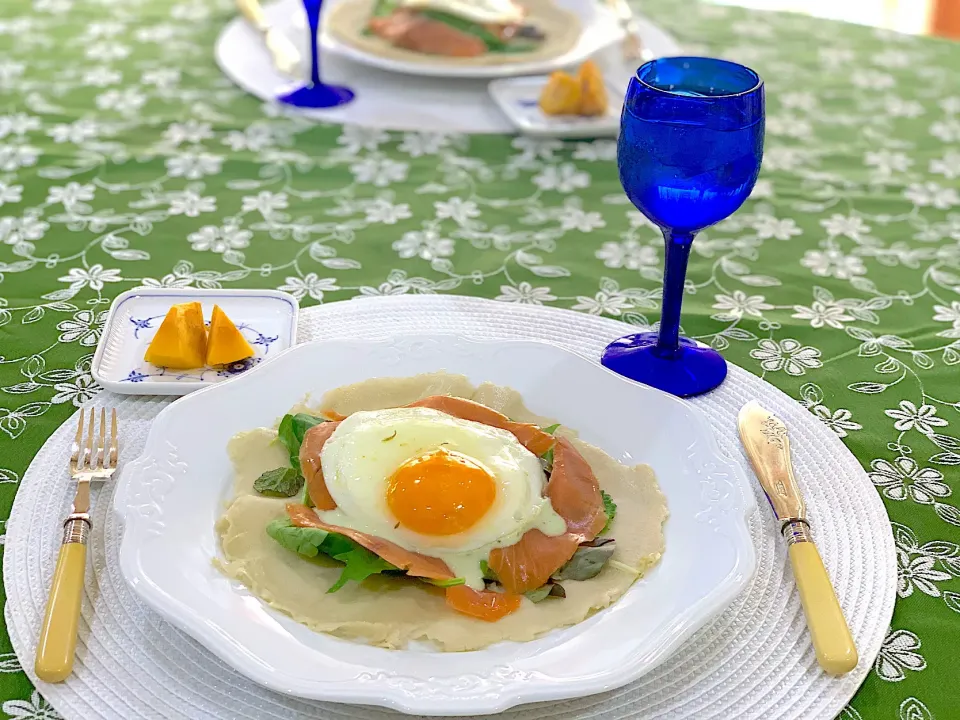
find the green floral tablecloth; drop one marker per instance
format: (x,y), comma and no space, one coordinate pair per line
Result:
(127,159)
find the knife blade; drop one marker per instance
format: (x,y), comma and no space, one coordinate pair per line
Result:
(285,56)
(767,444)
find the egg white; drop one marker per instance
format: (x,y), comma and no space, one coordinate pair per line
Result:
(367,448)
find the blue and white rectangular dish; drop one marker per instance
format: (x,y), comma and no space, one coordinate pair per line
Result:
(267,319)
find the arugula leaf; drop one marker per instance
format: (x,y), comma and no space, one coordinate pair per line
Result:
(443,583)
(609,509)
(305,541)
(588,560)
(551,589)
(539,594)
(383,8)
(279,482)
(546,460)
(305,498)
(358,565)
(487,572)
(291,431)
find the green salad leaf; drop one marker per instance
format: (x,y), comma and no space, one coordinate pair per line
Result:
(358,565)
(279,482)
(291,431)
(443,583)
(609,509)
(358,562)
(551,428)
(383,8)
(588,560)
(487,572)
(305,498)
(305,541)
(551,589)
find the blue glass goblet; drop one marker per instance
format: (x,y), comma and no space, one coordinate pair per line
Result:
(691,140)
(316,94)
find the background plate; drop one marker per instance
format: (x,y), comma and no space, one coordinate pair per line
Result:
(753,662)
(384,99)
(600,28)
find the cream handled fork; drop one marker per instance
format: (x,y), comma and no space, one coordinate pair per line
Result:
(58,635)
(283,53)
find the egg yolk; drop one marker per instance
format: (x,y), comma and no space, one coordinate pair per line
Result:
(440,493)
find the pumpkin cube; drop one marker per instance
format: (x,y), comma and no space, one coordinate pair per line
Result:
(593,90)
(561,95)
(225,344)
(181,340)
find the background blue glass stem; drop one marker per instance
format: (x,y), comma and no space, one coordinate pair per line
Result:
(313,22)
(316,94)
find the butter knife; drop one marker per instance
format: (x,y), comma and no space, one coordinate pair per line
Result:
(767,443)
(286,57)
(633,48)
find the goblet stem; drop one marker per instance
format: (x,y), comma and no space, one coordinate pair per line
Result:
(313,20)
(674,273)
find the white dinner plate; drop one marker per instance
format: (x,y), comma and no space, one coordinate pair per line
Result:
(266,318)
(600,28)
(518,98)
(170,498)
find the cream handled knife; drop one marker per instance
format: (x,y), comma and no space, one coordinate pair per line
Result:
(286,57)
(765,439)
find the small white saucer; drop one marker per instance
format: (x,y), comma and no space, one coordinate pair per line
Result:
(267,319)
(518,99)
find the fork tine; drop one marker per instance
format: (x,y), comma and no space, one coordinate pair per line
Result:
(114,443)
(101,446)
(88,450)
(75,448)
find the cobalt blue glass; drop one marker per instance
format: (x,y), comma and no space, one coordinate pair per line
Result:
(691,140)
(316,94)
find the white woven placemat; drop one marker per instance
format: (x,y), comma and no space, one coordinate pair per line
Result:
(754,661)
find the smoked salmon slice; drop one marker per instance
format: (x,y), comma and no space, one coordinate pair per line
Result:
(419,33)
(415,564)
(313,441)
(530,436)
(529,563)
(575,495)
(482,604)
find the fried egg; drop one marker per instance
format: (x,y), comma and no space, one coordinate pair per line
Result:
(435,484)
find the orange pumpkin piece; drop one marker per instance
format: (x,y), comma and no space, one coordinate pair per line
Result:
(181,340)
(484,604)
(225,343)
(561,95)
(593,91)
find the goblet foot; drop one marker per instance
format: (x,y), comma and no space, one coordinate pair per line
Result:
(318,96)
(691,370)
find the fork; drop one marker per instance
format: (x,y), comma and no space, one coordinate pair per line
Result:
(88,463)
